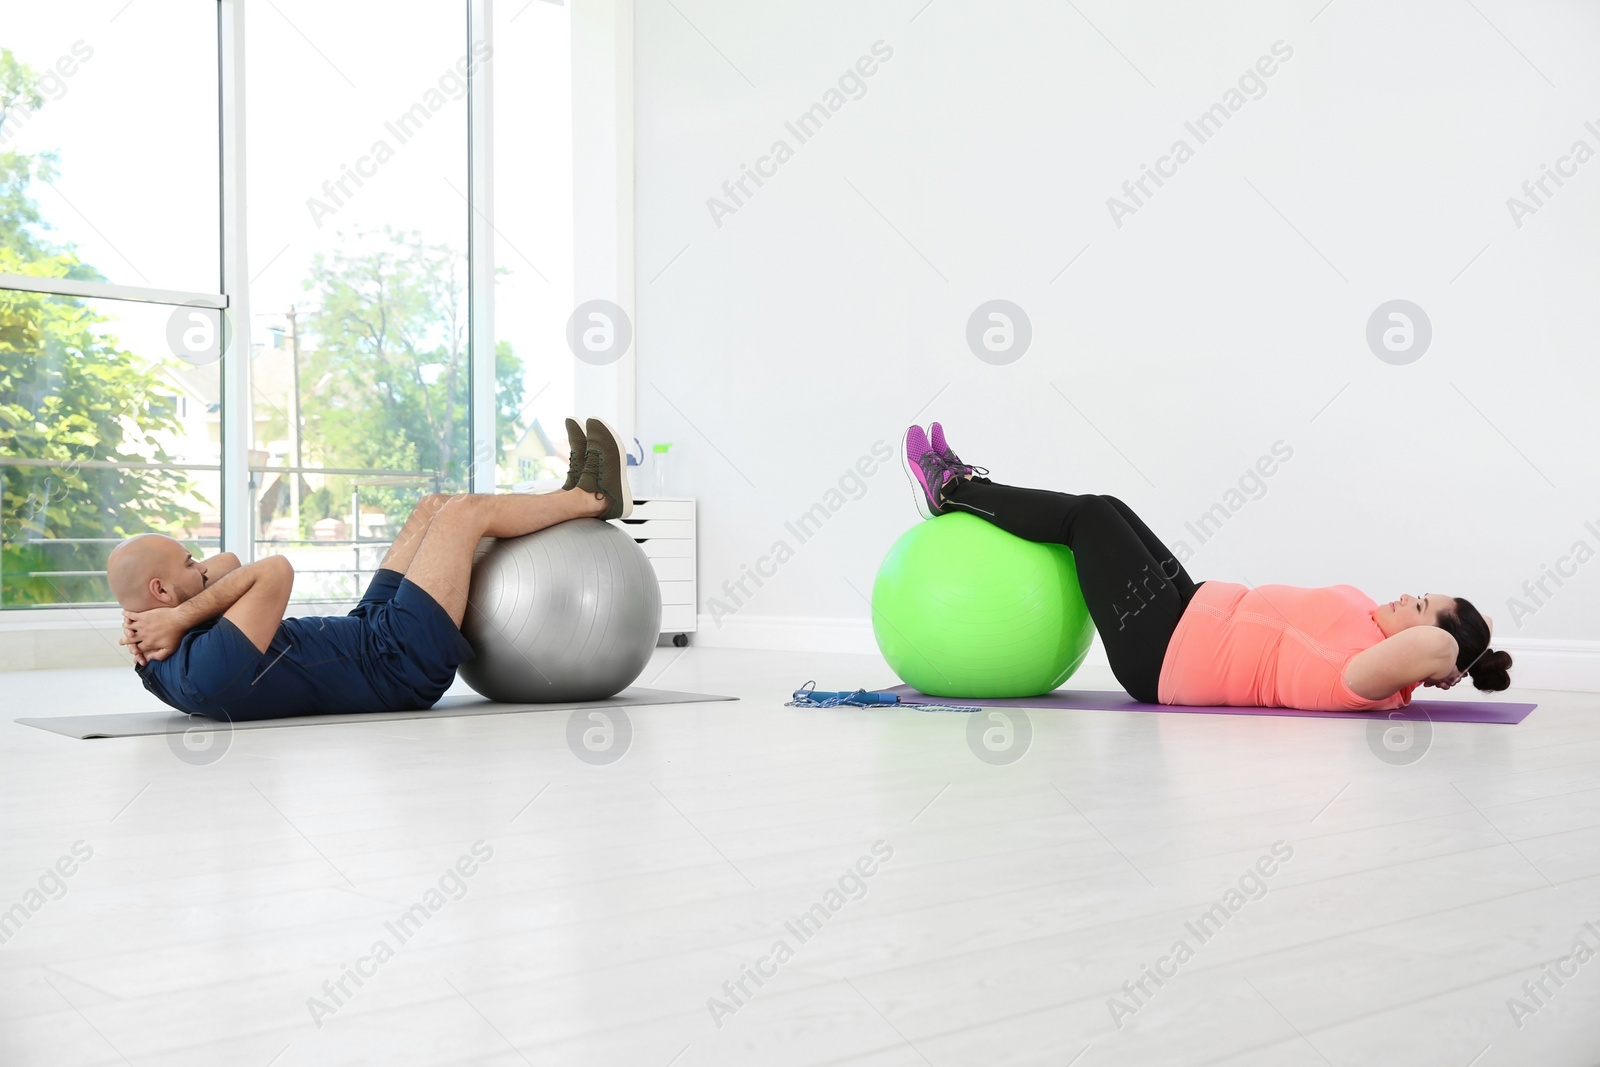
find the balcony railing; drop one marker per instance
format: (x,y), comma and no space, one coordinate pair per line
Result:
(359,568)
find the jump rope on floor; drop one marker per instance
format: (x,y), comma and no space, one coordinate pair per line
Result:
(807,696)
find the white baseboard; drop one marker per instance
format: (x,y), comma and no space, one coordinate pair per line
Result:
(795,633)
(787,633)
(1573,666)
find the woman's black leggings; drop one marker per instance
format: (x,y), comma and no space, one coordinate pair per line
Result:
(1134,586)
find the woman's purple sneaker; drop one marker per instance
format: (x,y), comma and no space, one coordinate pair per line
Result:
(951,460)
(927,470)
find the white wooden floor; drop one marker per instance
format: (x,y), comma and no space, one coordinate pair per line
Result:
(618,898)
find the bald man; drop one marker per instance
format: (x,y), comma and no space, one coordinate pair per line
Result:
(209,638)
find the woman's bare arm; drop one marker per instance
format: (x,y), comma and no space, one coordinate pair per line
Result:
(1415,654)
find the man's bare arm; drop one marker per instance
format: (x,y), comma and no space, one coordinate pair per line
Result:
(220,566)
(253,599)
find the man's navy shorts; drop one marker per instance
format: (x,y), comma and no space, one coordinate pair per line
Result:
(422,643)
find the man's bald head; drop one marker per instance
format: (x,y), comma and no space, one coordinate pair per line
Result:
(152,571)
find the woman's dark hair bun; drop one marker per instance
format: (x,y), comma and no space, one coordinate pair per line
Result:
(1489,668)
(1492,671)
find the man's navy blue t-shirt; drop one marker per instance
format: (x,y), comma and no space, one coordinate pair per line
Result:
(397,651)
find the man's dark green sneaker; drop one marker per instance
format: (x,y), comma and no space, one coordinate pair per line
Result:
(605,470)
(578,445)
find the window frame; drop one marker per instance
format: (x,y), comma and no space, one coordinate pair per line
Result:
(602,43)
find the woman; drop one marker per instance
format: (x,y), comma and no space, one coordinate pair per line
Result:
(1172,641)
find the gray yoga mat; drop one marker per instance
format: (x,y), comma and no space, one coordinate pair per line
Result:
(137,723)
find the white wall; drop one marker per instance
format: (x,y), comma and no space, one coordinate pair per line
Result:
(1223,316)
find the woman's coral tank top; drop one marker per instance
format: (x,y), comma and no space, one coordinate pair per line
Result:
(1274,646)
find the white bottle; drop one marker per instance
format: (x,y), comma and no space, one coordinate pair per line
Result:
(658,474)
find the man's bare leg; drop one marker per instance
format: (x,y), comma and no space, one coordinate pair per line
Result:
(442,565)
(405,546)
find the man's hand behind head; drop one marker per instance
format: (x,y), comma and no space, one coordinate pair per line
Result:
(153,634)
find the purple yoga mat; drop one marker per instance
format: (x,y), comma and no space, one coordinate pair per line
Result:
(1081,700)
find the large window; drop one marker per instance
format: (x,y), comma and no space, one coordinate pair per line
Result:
(354,313)
(110,320)
(358,223)
(533,239)
(110,139)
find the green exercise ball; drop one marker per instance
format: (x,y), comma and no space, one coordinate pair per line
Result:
(961,608)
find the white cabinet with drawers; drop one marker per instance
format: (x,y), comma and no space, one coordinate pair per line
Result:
(664,528)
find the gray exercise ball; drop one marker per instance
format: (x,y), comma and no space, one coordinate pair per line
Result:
(571,612)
